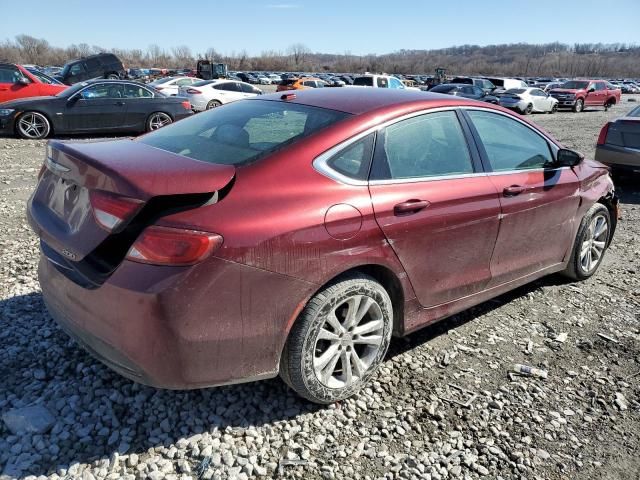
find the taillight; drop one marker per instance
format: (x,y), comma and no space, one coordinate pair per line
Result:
(111,211)
(173,246)
(186,105)
(603,134)
(193,91)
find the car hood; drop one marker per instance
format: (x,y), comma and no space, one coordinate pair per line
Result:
(566,90)
(22,102)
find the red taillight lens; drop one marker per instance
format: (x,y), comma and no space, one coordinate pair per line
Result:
(173,246)
(603,134)
(186,105)
(111,211)
(193,91)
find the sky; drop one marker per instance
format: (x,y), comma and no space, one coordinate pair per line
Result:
(327,26)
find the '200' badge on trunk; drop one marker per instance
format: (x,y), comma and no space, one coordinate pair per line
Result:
(68,254)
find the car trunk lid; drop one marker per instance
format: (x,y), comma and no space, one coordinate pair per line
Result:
(61,211)
(625,132)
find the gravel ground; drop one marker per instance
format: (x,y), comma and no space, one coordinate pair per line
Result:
(581,422)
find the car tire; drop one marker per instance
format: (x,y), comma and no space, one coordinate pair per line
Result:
(579,106)
(609,104)
(158,120)
(32,126)
(554,109)
(113,76)
(213,104)
(592,239)
(528,110)
(325,335)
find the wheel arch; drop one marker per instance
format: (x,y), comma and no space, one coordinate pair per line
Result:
(611,203)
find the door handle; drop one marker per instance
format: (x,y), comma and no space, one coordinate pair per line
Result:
(120,103)
(513,190)
(410,206)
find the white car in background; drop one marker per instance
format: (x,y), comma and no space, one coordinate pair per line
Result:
(264,80)
(380,81)
(170,85)
(528,100)
(274,78)
(207,94)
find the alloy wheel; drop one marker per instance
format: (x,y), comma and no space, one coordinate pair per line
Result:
(348,342)
(594,243)
(33,125)
(159,120)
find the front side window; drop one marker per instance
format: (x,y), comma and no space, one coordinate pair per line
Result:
(103,90)
(383,82)
(600,86)
(354,160)
(9,74)
(76,69)
(241,132)
(509,144)
(425,146)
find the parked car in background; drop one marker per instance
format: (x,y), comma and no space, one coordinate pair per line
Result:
(504,84)
(483,83)
(263,80)
(578,94)
(281,236)
(19,82)
(247,77)
(528,100)
(550,86)
(619,144)
(170,86)
(466,91)
(380,81)
(52,71)
(275,79)
(208,94)
(137,74)
(101,65)
(104,106)
(300,84)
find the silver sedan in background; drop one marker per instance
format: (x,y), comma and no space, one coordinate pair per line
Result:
(528,100)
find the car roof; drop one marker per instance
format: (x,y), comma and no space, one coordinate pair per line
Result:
(362,100)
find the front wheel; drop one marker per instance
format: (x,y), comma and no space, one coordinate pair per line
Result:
(113,76)
(339,340)
(554,108)
(33,126)
(158,120)
(590,244)
(579,106)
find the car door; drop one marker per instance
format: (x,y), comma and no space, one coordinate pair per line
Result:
(438,210)
(101,106)
(539,100)
(11,86)
(538,200)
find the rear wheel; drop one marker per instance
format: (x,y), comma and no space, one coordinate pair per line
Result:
(113,76)
(528,110)
(213,104)
(579,106)
(610,103)
(339,340)
(33,125)
(158,120)
(590,244)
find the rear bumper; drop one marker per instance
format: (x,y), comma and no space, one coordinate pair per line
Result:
(619,158)
(179,328)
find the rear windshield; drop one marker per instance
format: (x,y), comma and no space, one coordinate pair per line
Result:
(364,81)
(634,113)
(572,84)
(443,88)
(242,132)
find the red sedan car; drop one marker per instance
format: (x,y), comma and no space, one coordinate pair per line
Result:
(295,233)
(17,81)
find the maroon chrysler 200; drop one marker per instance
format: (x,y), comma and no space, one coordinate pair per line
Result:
(294,234)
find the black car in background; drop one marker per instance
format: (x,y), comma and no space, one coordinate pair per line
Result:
(97,106)
(483,83)
(102,65)
(466,91)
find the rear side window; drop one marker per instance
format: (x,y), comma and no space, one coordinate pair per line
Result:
(355,159)
(241,132)
(426,146)
(509,144)
(364,81)
(92,63)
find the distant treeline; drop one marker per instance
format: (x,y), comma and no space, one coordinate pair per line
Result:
(520,59)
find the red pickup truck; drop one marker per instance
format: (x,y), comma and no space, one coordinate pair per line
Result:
(578,94)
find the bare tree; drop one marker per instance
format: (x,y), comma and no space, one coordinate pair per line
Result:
(31,48)
(298,52)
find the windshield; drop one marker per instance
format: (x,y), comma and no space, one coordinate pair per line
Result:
(575,85)
(43,77)
(242,132)
(364,81)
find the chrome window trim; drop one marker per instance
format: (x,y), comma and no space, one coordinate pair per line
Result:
(121,82)
(320,163)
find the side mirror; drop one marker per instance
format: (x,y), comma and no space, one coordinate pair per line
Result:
(591,89)
(568,158)
(23,81)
